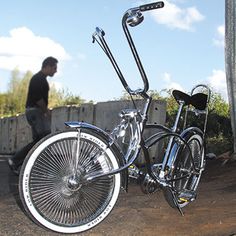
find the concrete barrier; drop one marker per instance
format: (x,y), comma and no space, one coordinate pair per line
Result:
(84,113)
(1,151)
(23,132)
(4,136)
(15,131)
(106,113)
(106,117)
(12,129)
(59,116)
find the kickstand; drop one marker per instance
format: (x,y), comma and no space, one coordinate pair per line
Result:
(176,202)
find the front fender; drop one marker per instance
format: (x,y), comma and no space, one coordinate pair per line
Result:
(84,125)
(107,139)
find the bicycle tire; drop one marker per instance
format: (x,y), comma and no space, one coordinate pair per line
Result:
(183,166)
(43,182)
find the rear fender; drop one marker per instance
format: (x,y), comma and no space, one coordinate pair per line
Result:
(190,131)
(185,135)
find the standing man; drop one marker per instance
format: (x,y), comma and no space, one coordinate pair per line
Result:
(37,113)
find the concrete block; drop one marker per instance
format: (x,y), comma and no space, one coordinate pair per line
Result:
(16,132)
(59,116)
(106,114)
(73,113)
(8,135)
(4,136)
(157,112)
(84,113)
(1,147)
(23,132)
(156,115)
(106,117)
(12,129)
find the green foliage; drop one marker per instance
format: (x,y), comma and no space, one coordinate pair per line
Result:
(3,102)
(218,105)
(17,92)
(153,93)
(73,100)
(219,132)
(13,101)
(63,98)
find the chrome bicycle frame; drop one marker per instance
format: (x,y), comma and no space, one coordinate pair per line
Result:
(134,121)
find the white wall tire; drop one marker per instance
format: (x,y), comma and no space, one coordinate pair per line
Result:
(43,189)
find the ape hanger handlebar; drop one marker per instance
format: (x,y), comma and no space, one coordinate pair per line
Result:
(151,6)
(131,17)
(134,16)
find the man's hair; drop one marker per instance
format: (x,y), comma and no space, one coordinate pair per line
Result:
(49,61)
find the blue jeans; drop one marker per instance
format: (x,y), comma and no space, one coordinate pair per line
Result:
(40,126)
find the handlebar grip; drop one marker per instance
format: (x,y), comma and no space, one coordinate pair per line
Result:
(151,6)
(100,31)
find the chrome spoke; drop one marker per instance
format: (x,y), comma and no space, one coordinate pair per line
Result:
(54,169)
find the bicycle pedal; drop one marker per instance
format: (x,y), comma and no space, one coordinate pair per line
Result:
(134,172)
(187,196)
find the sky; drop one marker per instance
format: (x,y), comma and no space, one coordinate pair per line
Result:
(180,45)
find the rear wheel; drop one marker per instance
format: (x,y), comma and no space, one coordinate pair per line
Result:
(187,171)
(52,191)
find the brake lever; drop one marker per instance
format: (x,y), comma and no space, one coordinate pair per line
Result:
(98,32)
(94,39)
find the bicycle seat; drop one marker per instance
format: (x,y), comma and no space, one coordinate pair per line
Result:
(198,100)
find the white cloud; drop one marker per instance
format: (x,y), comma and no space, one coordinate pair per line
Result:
(220,38)
(176,17)
(218,82)
(25,50)
(169,84)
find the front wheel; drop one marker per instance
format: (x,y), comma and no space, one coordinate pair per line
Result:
(50,187)
(187,170)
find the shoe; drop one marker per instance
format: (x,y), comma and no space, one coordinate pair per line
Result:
(13,167)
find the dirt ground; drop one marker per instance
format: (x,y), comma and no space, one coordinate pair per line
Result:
(212,214)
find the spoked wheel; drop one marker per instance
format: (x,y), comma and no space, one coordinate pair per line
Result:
(184,177)
(51,182)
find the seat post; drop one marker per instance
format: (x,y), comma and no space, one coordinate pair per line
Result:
(175,126)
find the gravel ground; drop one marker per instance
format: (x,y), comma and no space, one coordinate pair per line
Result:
(212,214)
